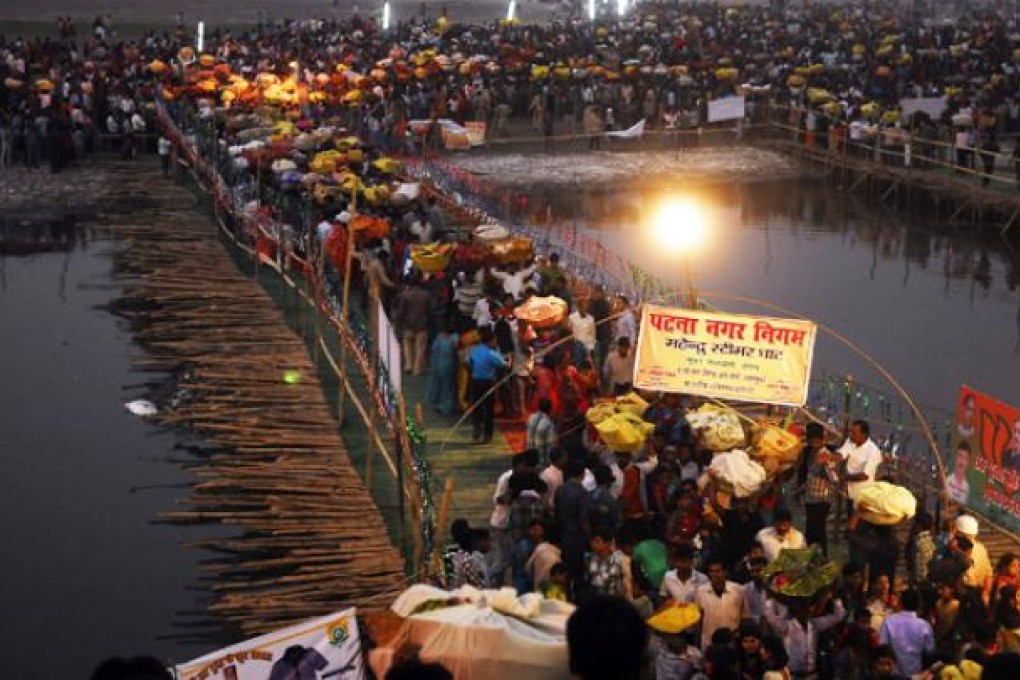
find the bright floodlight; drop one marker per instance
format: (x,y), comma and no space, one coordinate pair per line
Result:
(511,11)
(200,41)
(386,17)
(680,226)
(621,7)
(591,10)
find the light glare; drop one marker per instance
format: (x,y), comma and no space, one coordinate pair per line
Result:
(680,226)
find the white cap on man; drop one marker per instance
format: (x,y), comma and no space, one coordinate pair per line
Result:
(967,525)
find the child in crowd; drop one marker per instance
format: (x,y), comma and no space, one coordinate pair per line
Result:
(557,585)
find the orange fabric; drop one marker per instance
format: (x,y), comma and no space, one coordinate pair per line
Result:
(630,494)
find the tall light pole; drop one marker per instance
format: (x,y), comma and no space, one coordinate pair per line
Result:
(679,226)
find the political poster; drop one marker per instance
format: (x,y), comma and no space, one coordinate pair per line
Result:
(725,356)
(726,108)
(983,464)
(327,647)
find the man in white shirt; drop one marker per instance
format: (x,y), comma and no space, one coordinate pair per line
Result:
(956,483)
(721,603)
(682,581)
(755,594)
(482,313)
(619,368)
(686,466)
(513,282)
(781,534)
(861,456)
(980,574)
(552,475)
(626,326)
(582,326)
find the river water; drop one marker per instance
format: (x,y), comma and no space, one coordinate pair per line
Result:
(85,574)
(936,306)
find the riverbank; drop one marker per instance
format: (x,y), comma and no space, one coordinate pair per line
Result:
(593,169)
(81,479)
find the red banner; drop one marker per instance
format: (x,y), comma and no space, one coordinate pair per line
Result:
(983,465)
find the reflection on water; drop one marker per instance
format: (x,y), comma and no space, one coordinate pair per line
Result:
(86,574)
(27,237)
(938,306)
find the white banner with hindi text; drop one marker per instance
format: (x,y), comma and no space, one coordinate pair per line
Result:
(327,647)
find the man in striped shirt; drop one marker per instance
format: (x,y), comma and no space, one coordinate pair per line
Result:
(541,430)
(819,489)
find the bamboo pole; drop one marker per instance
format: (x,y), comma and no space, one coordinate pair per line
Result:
(345,304)
(441,521)
(373,333)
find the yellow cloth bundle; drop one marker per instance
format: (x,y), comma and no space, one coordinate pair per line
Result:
(675,618)
(720,427)
(884,503)
(624,432)
(776,448)
(631,403)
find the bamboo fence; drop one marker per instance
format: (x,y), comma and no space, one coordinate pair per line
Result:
(306,537)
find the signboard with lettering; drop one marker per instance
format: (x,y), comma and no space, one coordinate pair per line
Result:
(983,464)
(933,106)
(726,108)
(725,356)
(327,647)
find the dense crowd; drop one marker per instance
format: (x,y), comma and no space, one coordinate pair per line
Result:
(647,530)
(573,518)
(836,68)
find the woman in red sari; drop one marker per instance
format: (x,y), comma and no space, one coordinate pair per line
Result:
(547,386)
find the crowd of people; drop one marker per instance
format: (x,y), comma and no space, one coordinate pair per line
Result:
(598,529)
(572,518)
(835,68)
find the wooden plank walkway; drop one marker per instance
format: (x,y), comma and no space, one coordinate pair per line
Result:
(960,196)
(474,468)
(309,539)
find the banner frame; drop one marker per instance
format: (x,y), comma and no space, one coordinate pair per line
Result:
(808,365)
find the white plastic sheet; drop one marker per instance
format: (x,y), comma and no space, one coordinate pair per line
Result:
(493,635)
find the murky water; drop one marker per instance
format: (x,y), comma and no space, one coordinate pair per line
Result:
(937,306)
(85,574)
